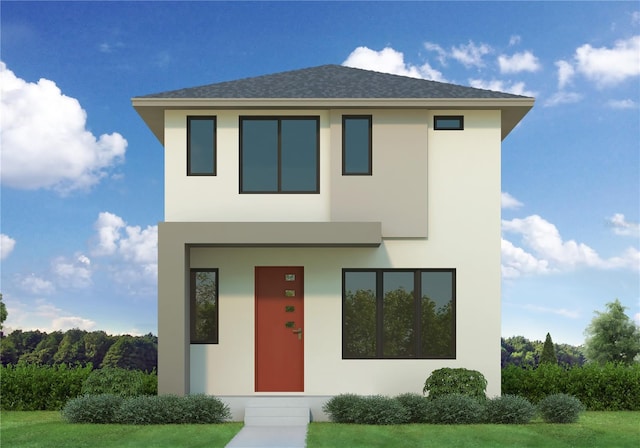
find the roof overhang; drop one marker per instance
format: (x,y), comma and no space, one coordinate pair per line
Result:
(152,109)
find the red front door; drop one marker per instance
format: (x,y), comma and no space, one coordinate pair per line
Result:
(279,329)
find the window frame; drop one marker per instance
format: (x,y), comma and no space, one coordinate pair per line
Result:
(459,118)
(279,119)
(213,118)
(417,306)
(369,171)
(192,305)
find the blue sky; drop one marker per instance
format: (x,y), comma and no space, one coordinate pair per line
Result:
(82,176)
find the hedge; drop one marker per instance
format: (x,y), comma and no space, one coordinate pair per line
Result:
(611,387)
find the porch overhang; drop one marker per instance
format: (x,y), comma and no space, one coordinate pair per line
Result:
(273,234)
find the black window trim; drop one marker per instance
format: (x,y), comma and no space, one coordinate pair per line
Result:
(370,168)
(192,298)
(417,312)
(459,118)
(279,119)
(215,144)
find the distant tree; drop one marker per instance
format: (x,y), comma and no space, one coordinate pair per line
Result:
(45,350)
(8,352)
(3,312)
(96,346)
(71,348)
(548,352)
(135,353)
(612,336)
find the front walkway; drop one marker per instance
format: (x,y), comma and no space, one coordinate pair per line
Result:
(270,437)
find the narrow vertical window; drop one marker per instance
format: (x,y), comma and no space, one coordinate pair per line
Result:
(356,145)
(359,315)
(204,306)
(201,146)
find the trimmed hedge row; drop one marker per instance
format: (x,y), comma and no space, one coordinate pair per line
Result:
(611,387)
(28,387)
(450,409)
(145,409)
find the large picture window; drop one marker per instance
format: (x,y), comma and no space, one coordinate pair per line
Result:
(201,146)
(356,145)
(204,306)
(279,154)
(398,313)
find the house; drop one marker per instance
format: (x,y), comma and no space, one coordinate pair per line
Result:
(328,230)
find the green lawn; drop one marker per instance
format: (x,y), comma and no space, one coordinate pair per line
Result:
(45,429)
(595,429)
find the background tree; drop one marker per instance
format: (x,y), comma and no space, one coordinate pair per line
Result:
(3,312)
(548,352)
(612,336)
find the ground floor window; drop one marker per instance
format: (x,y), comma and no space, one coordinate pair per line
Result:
(398,313)
(204,306)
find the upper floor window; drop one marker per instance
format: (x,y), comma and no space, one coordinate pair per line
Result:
(201,146)
(398,313)
(356,145)
(204,306)
(280,154)
(448,122)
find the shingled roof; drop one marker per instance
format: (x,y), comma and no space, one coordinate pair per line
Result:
(331,82)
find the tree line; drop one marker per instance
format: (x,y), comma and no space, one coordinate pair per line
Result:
(521,352)
(79,348)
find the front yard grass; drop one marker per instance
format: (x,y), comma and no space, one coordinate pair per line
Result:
(594,429)
(45,429)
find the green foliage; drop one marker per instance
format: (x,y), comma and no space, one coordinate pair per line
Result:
(30,387)
(510,409)
(379,410)
(167,409)
(3,312)
(519,351)
(92,409)
(120,382)
(129,352)
(612,336)
(612,387)
(560,408)
(448,381)
(343,408)
(455,409)
(415,406)
(548,352)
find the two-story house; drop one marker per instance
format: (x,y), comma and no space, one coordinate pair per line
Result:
(328,230)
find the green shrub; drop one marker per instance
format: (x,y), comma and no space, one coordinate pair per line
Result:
(29,387)
(379,410)
(447,381)
(610,387)
(455,409)
(121,382)
(415,406)
(509,409)
(92,409)
(166,409)
(560,408)
(343,408)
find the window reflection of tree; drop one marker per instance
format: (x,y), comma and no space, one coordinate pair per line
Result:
(205,306)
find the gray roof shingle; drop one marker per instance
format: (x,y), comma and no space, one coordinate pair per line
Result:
(332,81)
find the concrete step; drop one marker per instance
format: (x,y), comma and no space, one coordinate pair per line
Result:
(276,413)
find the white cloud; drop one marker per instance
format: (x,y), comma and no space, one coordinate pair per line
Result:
(519,62)
(134,250)
(559,311)
(622,227)
(442,54)
(391,61)
(514,40)
(622,104)
(543,239)
(6,245)
(565,73)
(68,322)
(75,272)
(45,143)
(516,261)
(563,98)
(45,316)
(635,17)
(509,202)
(470,55)
(609,66)
(36,285)
(517,88)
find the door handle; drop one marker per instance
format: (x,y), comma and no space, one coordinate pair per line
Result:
(298,332)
